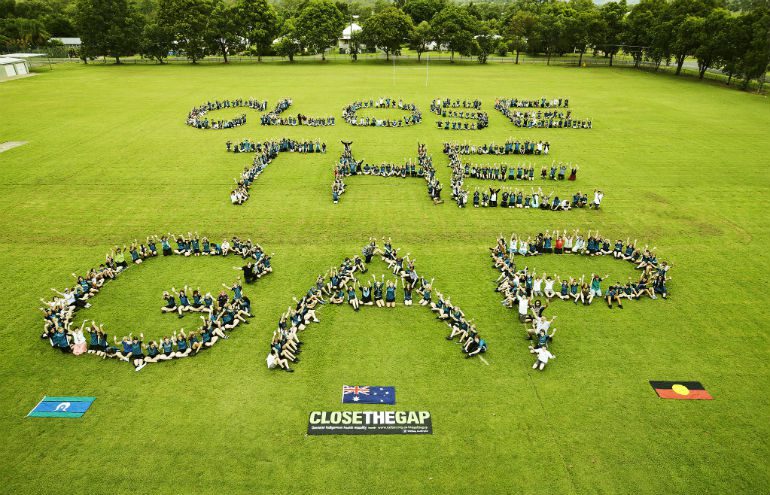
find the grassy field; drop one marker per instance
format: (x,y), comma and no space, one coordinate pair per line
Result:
(109,159)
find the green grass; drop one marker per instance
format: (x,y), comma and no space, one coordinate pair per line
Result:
(109,159)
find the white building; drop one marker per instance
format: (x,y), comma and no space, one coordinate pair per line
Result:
(69,42)
(344,40)
(13,67)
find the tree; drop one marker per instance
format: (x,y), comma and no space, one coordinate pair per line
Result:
(455,28)
(58,25)
(288,44)
(319,24)
(421,38)
(687,38)
(354,45)
(224,30)
(156,42)
(753,62)
(520,29)
(612,14)
(423,10)
(713,40)
(582,28)
(640,27)
(108,28)
(550,31)
(680,31)
(485,42)
(738,40)
(387,30)
(188,23)
(258,22)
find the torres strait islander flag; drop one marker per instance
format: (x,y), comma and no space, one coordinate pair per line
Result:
(368,395)
(681,390)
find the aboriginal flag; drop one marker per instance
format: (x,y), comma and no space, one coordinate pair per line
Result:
(681,390)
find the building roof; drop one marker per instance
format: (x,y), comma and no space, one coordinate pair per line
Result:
(351,28)
(24,55)
(8,60)
(69,41)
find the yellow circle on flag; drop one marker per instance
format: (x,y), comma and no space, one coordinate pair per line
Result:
(680,389)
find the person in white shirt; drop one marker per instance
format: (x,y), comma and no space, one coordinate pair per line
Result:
(549,293)
(598,196)
(225,247)
(543,355)
(537,286)
(523,309)
(275,361)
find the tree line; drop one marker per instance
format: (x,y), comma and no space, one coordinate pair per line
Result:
(732,36)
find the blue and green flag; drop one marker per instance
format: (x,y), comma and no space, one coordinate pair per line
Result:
(61,407)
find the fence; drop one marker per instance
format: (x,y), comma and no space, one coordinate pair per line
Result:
(572,60)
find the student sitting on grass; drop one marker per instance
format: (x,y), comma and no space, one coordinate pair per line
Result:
(274,360)
(543,356)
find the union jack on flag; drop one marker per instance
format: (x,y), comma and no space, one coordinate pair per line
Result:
(368,395)
(355,390)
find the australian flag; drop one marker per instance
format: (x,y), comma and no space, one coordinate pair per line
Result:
(368,395)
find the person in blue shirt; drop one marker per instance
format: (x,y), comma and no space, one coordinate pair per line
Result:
(197,302)
(182,347)
(366,294)
(390,293)
(165,246)
(426,294)
(475,346)
(60,341)
(352,298)
(137,355)
(125,352)
(614,293)
(153,353)
(167,348)
(407,293)
(170,306)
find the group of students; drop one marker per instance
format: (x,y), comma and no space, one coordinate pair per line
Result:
(536,103)
(219,315)
(467,110)
(283,144)
(508,197)
(340,285)
(274,117)
(503,172)
(412,118)
(552,117)
(421,167)
(265,152)
(651,282)
(510,147)
(530,293)
(197,116)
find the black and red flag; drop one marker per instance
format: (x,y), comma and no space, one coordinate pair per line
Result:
(681,390)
